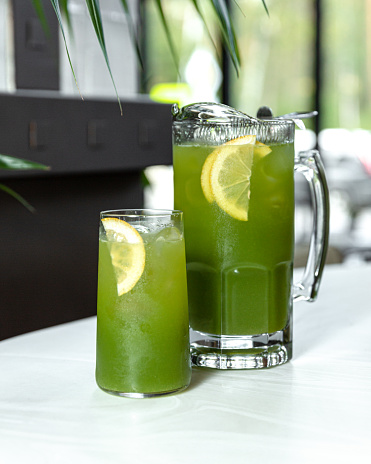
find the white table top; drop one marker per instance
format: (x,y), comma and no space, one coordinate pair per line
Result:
(316,408)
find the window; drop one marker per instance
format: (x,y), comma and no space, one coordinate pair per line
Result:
(346,81)
(199,70)
(277,54)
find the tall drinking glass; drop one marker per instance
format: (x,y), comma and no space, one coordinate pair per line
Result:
(234,181)
(142,310)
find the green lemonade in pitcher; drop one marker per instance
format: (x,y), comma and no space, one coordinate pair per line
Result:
(234,181)
(238,204)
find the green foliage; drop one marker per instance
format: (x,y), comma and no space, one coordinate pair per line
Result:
(55,4)
(165,25)
(63,4)
(11,163)
(132,31)
(18,197)
(277,57)
(37,4)
(228,33)
(220,8)
(96,19)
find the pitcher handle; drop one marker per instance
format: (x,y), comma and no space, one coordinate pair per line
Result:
(309,163)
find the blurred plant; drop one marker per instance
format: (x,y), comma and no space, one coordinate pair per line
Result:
(12,163)
(219,6)
(61,10)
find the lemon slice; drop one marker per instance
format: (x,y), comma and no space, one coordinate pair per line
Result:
(127,253)
(205,176)
(230,174)
(261,149)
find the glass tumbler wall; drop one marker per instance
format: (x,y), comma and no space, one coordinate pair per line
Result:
(234,180)
(142,324)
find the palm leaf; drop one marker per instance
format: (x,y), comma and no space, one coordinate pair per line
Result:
(132,32)
(18,197)
(63,4)
(220,7)
(168,34)
(11,163)
(38,6)
(265,7)
(55,4)
(96,19)
(228,33)
(195,4)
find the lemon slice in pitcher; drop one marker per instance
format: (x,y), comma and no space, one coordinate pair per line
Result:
(127,253)
(205,176)
(230,174)
(261,149)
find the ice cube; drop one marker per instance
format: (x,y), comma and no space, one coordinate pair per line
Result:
(168,234)
(142,229)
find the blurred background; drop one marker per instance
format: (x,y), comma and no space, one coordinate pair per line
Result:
(305,55)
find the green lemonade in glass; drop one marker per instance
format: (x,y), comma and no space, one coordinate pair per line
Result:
(239,272)
(143,334)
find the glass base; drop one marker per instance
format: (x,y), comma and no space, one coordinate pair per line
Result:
(241,352)
(142,395)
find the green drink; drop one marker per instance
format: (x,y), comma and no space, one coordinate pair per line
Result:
(239,271)
(142,311)
(234,180)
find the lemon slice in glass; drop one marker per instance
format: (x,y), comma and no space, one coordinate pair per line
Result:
(230,174)
(127,253)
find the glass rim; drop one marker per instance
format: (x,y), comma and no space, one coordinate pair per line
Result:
(260,123)
(212,114)
(141,212)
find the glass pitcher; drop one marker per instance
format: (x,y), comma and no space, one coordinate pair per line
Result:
(234,181)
